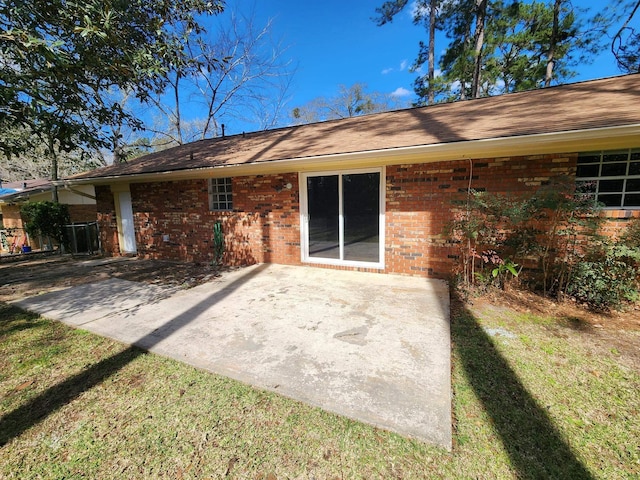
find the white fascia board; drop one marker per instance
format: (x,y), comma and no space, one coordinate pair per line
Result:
(544,143)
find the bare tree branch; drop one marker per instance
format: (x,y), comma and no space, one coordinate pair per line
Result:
(242,70)
(627,55)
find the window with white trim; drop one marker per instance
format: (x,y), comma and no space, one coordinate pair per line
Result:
(220,196)
(611,177)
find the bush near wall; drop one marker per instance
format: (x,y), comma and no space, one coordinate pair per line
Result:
(550,240)
(47,219)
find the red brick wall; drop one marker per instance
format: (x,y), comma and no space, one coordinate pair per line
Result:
(176,209)
(420,204)
(275,216)
(106,215)
(264,225)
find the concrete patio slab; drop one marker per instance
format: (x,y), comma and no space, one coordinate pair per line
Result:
(84,304)
(372,347)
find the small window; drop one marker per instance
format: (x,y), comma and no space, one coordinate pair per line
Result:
(611,177)
(220,196)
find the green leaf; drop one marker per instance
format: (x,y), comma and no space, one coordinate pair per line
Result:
(512,268)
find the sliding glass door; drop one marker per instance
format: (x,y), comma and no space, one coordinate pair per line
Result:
(343,216)
(324,216)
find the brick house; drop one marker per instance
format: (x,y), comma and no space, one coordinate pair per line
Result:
(375,192)
(81,202)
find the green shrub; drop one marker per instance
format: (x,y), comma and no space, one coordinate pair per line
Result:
(542,232)
(47,219)
(549,240)
(609,279)
(631,237)
(493,233)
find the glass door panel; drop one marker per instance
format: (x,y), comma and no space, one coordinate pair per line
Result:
(361,212)
(324,216)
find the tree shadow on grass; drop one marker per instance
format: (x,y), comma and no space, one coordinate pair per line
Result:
(25,320)
(16,422)
(535,446)
(19,420)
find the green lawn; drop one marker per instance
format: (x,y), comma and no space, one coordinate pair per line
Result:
(547,401)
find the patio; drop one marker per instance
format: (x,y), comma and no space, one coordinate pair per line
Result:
(375,348)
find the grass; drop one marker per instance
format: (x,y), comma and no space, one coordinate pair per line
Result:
(536,404)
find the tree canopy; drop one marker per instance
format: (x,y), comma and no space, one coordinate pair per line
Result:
(33,161)
(241,73)
(60,60)
(497,46)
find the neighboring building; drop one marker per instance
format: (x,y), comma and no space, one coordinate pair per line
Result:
(81,201)
(373,192)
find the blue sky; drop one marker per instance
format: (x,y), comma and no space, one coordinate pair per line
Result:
(336,42)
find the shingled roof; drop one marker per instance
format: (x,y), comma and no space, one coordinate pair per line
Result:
(23,190)
(590,105)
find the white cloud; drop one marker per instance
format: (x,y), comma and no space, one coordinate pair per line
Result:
(400,92)
(422,71)
(403,64)
(422,8)
(415,9)
(455,87)
(387,70)
(498,87)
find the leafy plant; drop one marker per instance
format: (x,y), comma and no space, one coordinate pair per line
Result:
(549,232)
(46,219)
(608,279)
(499,227)
(218,242)
(569,222)
(631,237)
(507,266)
(500,268)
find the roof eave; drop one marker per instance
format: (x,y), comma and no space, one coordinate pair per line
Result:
(603,138)
(24,195)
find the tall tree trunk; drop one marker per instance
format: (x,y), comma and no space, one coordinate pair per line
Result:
(178,119)
(54,168)
(551,61)
(464,73)
(117,147)
(431,99)
(481,14)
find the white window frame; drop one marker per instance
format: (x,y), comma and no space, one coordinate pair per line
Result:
(624,178)
(304,219)
(215,195)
